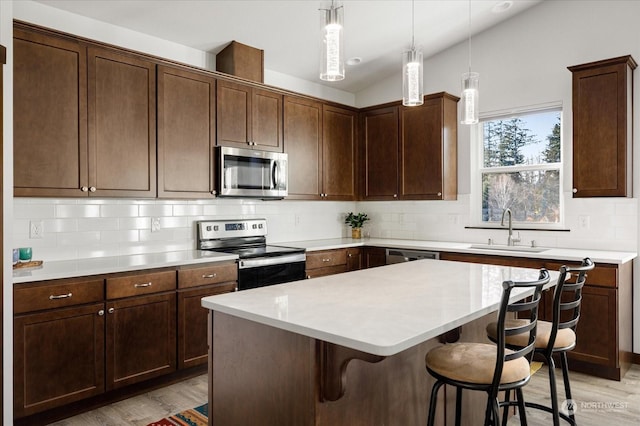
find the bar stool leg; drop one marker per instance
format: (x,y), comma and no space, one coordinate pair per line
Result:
(432,402)
(505,411)
(567,385)
(521,409)
(458,406)
(553,390)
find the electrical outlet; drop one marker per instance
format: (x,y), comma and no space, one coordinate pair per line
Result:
(35,229)
(155,224)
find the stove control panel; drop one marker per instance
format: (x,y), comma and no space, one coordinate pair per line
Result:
(220,229)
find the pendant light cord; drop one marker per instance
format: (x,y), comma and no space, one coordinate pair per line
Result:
(413,24)
(469,35)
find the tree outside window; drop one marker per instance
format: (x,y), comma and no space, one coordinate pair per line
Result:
(521,166)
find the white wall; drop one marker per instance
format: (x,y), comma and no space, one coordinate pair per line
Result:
(523,62)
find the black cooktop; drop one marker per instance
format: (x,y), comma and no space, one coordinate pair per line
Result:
(260,251)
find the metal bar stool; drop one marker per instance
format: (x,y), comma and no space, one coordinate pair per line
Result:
(557,336)
(486,367)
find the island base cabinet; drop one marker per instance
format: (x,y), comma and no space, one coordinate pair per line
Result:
(141,339)
(58,357)
(266,376)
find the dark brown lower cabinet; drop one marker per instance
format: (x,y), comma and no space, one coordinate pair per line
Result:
(374,256)
(141,339)
(354,259)
(58,357)
(192,323)
(604,332)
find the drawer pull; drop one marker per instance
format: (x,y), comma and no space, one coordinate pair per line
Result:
(60,296)
(111,310)
(101,312)
(142,285)
(209,275)
(326,260)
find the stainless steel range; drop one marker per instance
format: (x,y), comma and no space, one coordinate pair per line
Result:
(259,264)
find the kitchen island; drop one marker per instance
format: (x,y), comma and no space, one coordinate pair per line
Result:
(346,349)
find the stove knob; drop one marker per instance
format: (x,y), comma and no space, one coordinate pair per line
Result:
(215,228)
(209,228)
(254,226)
(260,226)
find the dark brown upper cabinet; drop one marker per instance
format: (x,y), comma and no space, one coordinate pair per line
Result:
(84,119)
(380,151)
(49,115)
(122,124)
(603,128)
(428,149)
(410,153)
(303,144)
(338,153)
(249,117)
(186,133)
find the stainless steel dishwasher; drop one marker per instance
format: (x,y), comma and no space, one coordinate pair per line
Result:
(403,255)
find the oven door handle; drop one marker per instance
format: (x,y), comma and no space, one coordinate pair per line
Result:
(268,261)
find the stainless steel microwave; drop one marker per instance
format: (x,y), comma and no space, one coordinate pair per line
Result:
(250,173)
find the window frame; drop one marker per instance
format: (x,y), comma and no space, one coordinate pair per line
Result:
(478,169)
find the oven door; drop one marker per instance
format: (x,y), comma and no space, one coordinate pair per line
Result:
(260,276)
(251,173)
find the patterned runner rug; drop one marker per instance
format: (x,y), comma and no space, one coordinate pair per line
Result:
(194,417)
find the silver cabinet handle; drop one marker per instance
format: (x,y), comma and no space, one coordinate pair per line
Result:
(395,195)
(439,194)
(209,275)
(214,193)
(308,277)
(326,260)
(101,312)
(349,255)
(84,189)
(142,285)
(60,296)
(111,310)
(92,189)
(575,190)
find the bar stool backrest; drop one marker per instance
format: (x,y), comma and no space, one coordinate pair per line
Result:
(567,298)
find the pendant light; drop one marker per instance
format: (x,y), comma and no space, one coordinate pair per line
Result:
(412,94)
(470,82)
(332,52)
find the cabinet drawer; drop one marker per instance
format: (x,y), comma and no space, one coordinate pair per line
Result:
(211,274)
(56,294)
(135,285)
(323,272)
(323,259)
(600,276)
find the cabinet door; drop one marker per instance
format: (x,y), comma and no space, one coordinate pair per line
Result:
(354,259)
(186,133)
(122,125)
(266,120)
(141,339)
(192,323)
(428,150)
(602,123)
(380,152)
(374,256)
(338,153)
(49,116)
(303,144)
(233,103)
(58,357)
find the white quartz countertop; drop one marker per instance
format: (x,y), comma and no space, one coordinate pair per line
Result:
(598,256)
(107,265)
(382,310)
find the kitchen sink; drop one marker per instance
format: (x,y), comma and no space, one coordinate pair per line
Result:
(508,248)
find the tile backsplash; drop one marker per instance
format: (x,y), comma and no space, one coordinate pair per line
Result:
(82,228)
(75,228)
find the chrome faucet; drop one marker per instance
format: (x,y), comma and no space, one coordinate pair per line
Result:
(510,240)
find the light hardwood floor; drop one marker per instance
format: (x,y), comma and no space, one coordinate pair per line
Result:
(598,401)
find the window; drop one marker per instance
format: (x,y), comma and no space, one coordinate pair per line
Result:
(520,166)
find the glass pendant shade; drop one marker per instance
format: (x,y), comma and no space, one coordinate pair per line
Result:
(412,92)
(470,95)
(332,51)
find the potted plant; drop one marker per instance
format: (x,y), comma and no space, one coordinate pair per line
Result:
(356,220)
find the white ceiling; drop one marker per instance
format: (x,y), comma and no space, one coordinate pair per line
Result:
(289,30)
